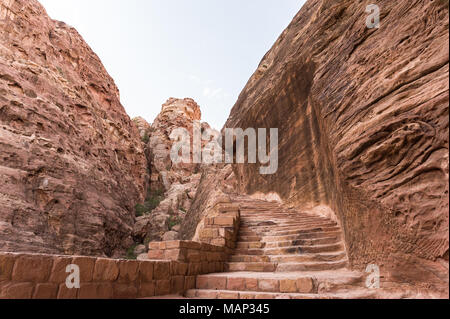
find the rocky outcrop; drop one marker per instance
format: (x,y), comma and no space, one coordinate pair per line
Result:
(143,127)
(72,164)
(363,125)
(173,186)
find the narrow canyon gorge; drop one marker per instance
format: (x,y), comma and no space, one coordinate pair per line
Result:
(363,168)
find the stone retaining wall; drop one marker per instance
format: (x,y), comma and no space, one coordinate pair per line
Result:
(216,241)
(35,276)
(222,229)
(191,252)
(172,269)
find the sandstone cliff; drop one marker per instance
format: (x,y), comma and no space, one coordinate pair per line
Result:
(217,185)
(173,186)
(72,165)
(363,124)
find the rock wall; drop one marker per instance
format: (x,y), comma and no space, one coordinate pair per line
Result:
(175,113)
(363,127)
(72,164)
(100,278)
(173,186)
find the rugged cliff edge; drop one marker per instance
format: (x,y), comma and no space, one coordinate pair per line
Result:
(72,164)
(363,120)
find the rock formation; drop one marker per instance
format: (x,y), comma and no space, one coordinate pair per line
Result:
(362,177)
(172,186)
(143,127)
(363,127)
(72,165)
(175,113)
(217,183)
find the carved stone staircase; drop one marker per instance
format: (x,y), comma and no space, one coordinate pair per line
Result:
(273,239)
(284,253)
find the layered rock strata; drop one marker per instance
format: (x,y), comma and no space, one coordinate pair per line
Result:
(363,124)
(72,166)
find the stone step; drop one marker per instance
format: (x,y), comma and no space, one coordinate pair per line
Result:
(283,253)
(266,209)
(296,242)
(251,244)
(251,266)
(276,211)
(285,267)
(247,234)
(288,227)
(301,258)
(304,249)
(249,252)
(279,259)
(288,282)
(312,235)
(249,238)
(302,242)
(263,210)
(353,293)
(290,250)
(250,205)
(303,284)
(249,258)
(270,229)
(300,231)
(282,221)
(312,266)
(261,216)
(291,231)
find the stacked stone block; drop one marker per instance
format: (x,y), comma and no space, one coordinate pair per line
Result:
(216,242)
(222,229)
(199,257)
(34,276)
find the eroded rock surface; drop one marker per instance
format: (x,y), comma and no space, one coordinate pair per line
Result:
(72,166)
(363,124)
(143,127)
(176,183)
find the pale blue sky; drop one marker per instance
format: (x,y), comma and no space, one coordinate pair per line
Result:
(156,49)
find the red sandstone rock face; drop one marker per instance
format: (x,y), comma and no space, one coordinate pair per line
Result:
(72,164)
(363,120)
(178,182)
